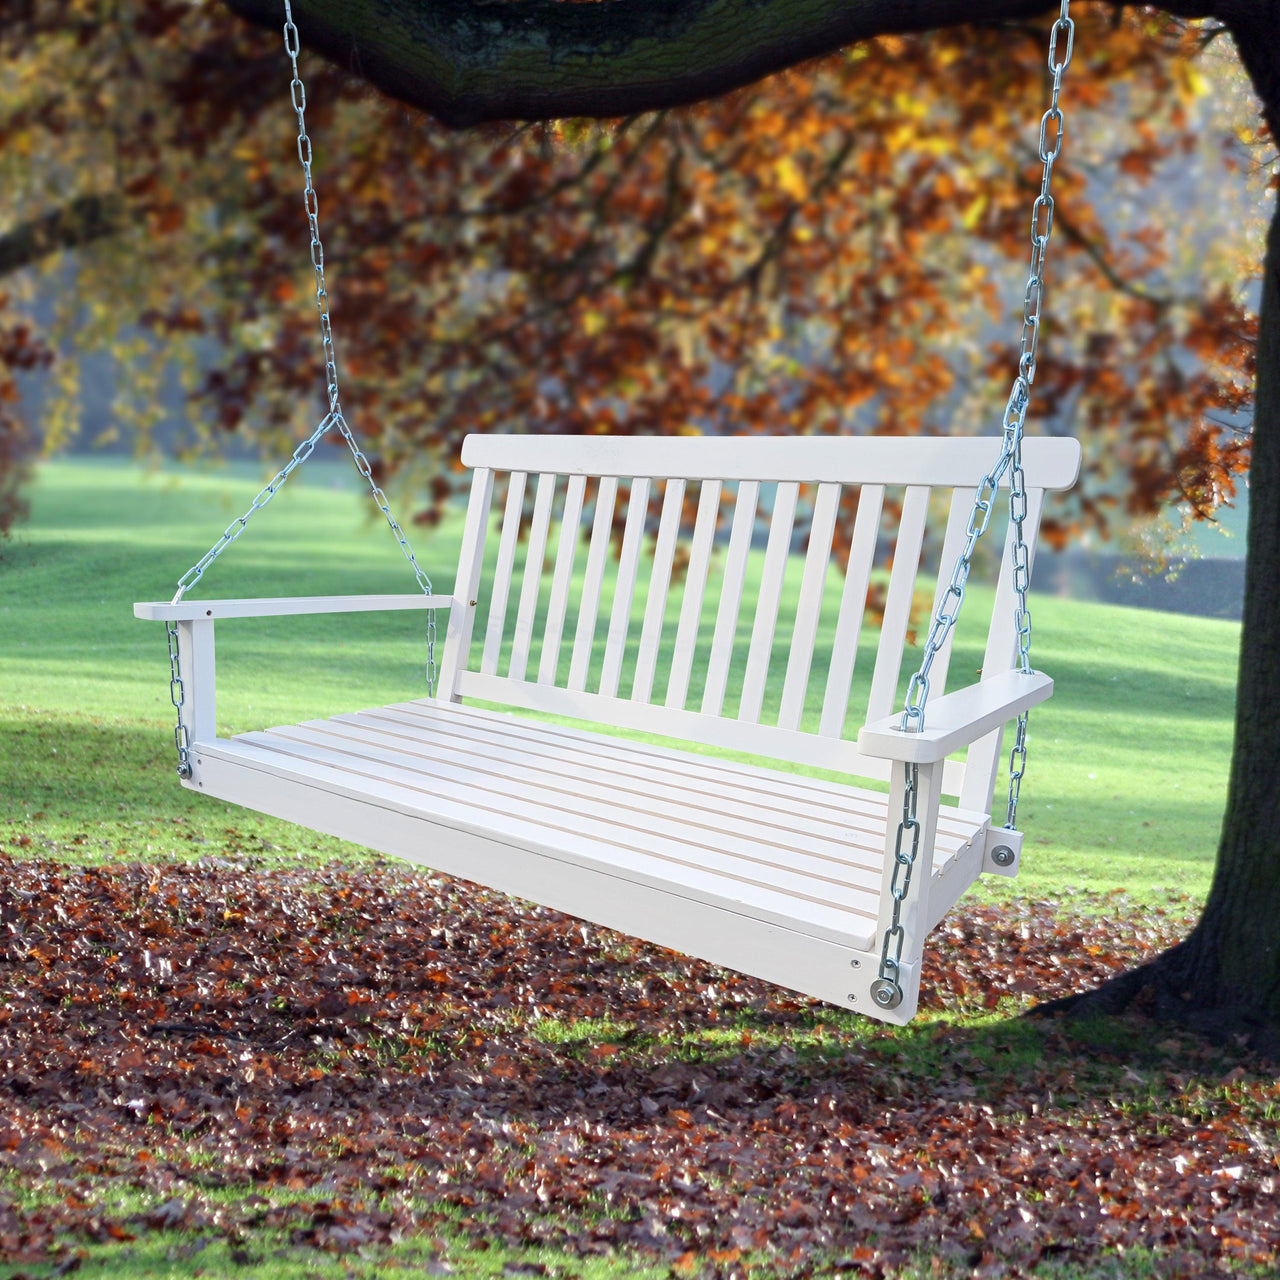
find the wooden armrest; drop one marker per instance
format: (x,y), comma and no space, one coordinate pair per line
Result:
(198,610)
(956,719)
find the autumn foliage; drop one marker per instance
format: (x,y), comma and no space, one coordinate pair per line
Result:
(840,249)
(361,1056)
(19,350)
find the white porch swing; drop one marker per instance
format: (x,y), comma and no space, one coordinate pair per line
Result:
(826,888)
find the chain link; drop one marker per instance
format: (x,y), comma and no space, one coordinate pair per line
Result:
(334,419)
(886,991)
(177,695)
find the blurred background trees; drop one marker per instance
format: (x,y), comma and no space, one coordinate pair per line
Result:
(841,248)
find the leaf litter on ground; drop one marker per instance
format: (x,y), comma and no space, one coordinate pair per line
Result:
(357,1056)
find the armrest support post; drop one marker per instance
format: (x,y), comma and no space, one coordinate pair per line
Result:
(197,668)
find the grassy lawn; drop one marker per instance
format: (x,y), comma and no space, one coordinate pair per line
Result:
(1128,761)
(607,1087)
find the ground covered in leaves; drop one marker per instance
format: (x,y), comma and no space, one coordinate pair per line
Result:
(344,1062)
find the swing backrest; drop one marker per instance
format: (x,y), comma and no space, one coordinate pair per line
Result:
(548,619)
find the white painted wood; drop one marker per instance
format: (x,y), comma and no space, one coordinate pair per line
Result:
(952,544)
(735,569)
(633,857)
(624,591)
(562,580)
(853,607)
(686,850)
(766,741)
(589,607)
(721,934)
(653,799)
(695,590)
(655,609)
(731,848)
(279,606)
(847,830)
(466,586)
(198,670)
(777,553)
(897,603)
(502,573)
(733,781)
(531,583)
(956,719)
(984,758)
(948,883)
(804,633)
(998,837)
(927,461)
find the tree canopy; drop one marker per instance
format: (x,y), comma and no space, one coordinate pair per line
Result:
(841,248)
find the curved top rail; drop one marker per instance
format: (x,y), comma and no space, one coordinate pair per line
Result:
(1050,463)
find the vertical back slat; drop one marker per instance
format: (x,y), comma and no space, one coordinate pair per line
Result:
(502,574)
(625,588)
(853,605)
(776,555)
(531,584)
(466,586)
(983,758)
(897,605)
(952,544)
(562,579)
(589,608)
(655,608)
(735,568)
(695,590)
(809,608)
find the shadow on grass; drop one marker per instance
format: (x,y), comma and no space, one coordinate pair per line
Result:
(93,790)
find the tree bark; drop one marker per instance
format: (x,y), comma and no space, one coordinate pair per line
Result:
(88,218)
(1224,980)
(471,61)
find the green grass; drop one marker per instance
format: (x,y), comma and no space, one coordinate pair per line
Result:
(1128,761)
(1127,781)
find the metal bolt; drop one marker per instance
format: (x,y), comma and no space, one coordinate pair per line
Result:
(888,995)
(1003,856)
(855,964)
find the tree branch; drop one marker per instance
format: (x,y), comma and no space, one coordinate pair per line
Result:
(470,61)
(85,219)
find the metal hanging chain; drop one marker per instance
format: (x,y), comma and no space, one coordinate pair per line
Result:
(333,419)
(181,734)
(886,991)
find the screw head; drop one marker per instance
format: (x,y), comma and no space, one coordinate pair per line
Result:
(855,964)
(888,995)
(1003,856)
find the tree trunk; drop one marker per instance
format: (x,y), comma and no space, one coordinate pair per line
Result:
(1225,978)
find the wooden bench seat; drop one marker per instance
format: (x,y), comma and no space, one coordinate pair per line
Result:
(762,843)
(757,868)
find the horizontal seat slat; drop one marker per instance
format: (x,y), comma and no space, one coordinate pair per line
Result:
(698,844)
(777,800)
(617,856)
(858,845)
(831,800)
